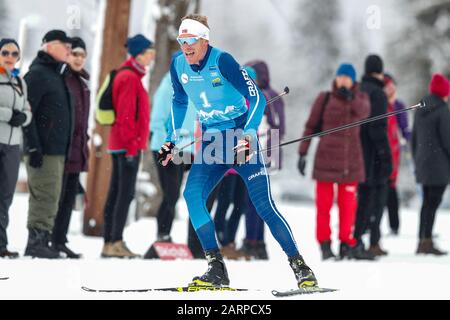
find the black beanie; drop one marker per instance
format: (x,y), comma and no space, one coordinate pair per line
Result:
(374,64)
(77,42)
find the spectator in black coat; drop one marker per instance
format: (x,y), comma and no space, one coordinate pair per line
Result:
(431,152)
(372,193)
(47,139)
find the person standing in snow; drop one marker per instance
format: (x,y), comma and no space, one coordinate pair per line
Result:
(431,153)
(254,246)
(78,157)
(396,125)
(15,113)
(372,193)
(128,138)
(219,88)
(47,139)
(339,160)
(171,176)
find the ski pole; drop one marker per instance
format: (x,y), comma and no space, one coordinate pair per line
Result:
(285,92)
(421,104)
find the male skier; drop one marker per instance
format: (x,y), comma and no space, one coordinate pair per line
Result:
(219,88)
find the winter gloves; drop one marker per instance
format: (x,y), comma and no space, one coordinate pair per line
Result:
(18,119)
(36,159)
(301,165)
(165,153)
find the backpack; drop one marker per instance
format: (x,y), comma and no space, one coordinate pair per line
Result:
(318,128)
(104,111)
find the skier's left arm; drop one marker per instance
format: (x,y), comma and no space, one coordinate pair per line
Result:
(242,82)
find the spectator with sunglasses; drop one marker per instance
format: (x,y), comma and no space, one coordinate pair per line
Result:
(14,113)
(47,139)
(77,160)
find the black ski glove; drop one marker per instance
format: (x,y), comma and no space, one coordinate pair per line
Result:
(36,159)
(301,165)
(18,118)
(165,153)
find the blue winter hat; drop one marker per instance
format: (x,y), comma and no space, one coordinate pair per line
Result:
(348,70)
(138,44)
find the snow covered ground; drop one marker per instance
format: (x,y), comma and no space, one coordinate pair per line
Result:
(401,275)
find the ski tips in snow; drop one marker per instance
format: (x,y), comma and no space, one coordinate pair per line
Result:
(307,290)
(173,289)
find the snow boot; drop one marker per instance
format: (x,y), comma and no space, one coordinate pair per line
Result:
(358,252)
(120,250)
(344,251)
(107,251)
(304,275)
(62,248)
(325,247)
(38,245)
(216,275)
(376,251)
(5,253)
(426,246)
(229,252)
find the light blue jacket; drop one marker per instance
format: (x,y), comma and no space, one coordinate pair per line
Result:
(161,117)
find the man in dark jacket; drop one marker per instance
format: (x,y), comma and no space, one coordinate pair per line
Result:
(78,158)
(431,151)
(377,160)
(47,139)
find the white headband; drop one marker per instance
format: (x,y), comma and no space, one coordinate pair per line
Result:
(189,26)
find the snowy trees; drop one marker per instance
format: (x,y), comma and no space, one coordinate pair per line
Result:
(3,19)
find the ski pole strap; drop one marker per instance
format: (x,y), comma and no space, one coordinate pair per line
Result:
(347,126)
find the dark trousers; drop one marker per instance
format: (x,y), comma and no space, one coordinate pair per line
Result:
(371,202)
(232,190)
(432,198)
(393,207)
(170,178)
(66,203)
(121,192)
(193,242)
(9,172)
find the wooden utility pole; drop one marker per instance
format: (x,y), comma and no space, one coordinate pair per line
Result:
(115,34)
(165,40)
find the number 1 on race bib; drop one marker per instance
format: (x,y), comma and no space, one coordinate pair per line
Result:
(205,100)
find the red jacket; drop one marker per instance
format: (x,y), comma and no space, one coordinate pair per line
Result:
(130,131)
(339,155)
(394,143)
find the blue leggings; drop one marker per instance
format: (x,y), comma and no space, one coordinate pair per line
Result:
(204,177)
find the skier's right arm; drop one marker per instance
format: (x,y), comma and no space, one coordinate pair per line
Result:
(179,105)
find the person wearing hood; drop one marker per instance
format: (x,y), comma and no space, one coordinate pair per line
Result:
(339,160)
(396,125)
(78,158)
(14,114)
(273,122)
(128,138)
(431,153)
(47,139)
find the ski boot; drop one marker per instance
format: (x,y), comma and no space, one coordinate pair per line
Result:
(216,275)
(304,275)
(327,253)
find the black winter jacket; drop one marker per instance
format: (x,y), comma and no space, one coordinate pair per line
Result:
(374,139)
(431,143)
(50,131)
